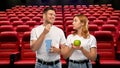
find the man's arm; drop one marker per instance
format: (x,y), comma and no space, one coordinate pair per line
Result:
(66,51)
(36,44)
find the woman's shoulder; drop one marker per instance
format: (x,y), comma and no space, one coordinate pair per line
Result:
(92,36)
(71,35)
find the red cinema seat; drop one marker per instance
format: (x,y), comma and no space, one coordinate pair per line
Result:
(104,18)
(98,22)
(59,18)
(31,23)
(68,18)
(24,19)
(30,15)
(114,18)
(3,18)
(96,14)
(58,22)
(11,15)
(91,19)
(60,26)
(20,29)
(14,19)
(118,47)
(105,48)
(37,19)
(9,44)
(4,28)
(105,44)
(4,23)
(68,22)
(16,23)
(112,28)
(27,55)
(20,15)
(92,28)
(114,22)
(69,29)
(26,12)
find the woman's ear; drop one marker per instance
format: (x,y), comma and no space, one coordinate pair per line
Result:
(82,24)
(43,16)
(87,21)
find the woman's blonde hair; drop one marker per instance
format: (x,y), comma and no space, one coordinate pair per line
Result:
(83,19)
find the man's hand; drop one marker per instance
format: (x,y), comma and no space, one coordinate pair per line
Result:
(53,49)
(47,28)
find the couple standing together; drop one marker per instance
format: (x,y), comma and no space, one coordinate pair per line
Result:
(47,34)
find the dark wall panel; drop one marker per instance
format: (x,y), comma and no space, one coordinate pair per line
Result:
(116,4)
(4,4)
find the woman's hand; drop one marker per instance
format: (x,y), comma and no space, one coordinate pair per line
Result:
(77,47)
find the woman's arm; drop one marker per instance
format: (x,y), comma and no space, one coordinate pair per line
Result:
(90,55)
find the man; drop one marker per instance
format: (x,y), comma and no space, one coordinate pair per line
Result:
(45,40)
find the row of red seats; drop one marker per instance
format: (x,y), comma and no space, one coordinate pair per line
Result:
(93,21)
(20,27)
(8,46)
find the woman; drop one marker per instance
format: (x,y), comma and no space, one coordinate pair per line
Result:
(80,56)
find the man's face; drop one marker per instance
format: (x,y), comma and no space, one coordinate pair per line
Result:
(49,16)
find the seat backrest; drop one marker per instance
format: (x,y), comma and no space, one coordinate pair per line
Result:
(68,22)
(105,44)
(58,22)
(20,29)
(98,22)
(104,18)
(6,28)
(14,19)
(114,22)
(31,23)
(60,26)
(92,28)
(109,27)
(4,23)
(118,43)
(24,19)
(37,19)
(16,23)
(69,29)
(26,52)
(68,18)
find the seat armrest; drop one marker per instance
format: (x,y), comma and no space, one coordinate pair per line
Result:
(97,61)
(14,57)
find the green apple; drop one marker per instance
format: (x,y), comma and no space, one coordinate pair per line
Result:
(77,42)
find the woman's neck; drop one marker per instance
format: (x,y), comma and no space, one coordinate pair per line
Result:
(79,32)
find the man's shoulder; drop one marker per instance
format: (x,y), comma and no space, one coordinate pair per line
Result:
(38,26)
(56,28)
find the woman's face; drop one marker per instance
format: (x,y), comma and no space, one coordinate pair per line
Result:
(76,23)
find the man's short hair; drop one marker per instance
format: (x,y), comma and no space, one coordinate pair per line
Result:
(48,8)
